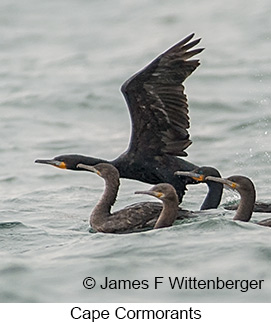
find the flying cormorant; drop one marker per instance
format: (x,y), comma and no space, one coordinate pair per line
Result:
(159,116)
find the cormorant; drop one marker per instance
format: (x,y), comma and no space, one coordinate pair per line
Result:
(166,193)
(247,191)
(134,217)
(215,190)
(159,116)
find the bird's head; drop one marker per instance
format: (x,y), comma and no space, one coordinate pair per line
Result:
(68,161)
(103,170)
(239,183)
(199,174)
(163,191)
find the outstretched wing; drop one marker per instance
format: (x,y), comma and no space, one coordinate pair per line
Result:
(157,103)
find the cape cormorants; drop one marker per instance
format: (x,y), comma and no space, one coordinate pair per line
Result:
(247,191)
(215,190)
(159,116)
(135,217)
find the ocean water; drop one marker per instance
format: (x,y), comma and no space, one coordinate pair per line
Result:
(61,67)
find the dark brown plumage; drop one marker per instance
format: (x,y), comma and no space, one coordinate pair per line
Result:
(215,190)
(261,207)
(159,116)
(247,191)
(167,194)
(135,217)
(265,222)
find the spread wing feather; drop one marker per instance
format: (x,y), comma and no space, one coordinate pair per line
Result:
(157,102)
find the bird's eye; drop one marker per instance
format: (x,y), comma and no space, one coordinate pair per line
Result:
(234,185)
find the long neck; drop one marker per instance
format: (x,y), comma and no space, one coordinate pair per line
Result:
(213,197)
(102,209)
(246,205)
(168,214)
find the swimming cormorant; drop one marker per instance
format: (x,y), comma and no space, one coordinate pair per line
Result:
(247,191)
(134,217)
(215,190)
(166,193)
(159,116)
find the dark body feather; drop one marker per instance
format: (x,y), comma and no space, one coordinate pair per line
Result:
(135,217)
(245,187)
(159,116)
